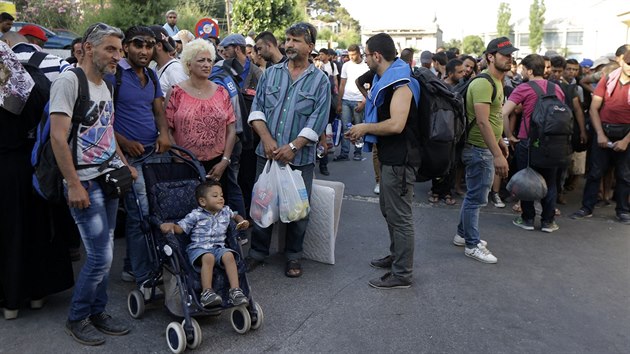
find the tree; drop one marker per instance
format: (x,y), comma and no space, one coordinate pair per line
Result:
(503,20)
(453,43)
(265,15)
(473,45)
(536,25)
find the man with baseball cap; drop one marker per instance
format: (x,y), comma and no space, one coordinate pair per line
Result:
(169,70)
(51,65)
(34,35)
(484,153)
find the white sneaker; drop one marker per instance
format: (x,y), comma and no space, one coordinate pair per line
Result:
(481,254)
(496,200)
(377,189)
(460,241)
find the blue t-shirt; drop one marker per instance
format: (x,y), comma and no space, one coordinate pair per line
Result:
(134,108)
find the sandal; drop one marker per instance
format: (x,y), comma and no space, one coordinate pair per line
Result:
(293,269)
(434,198)
(448,200)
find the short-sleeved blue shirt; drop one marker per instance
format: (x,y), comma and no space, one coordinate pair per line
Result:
(134,107)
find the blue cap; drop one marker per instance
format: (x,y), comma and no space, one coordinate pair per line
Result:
(233,39)
(586,63)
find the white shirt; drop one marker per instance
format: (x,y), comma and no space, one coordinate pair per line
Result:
(171,74)
(351,71)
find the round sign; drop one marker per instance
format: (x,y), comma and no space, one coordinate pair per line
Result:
(206,27)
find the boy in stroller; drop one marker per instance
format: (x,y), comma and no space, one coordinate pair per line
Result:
(207,226)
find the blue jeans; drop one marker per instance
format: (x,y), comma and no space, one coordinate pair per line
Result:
(138,260)
(348,115)
(261,237)
(96,225)
(479,176)
(549,174)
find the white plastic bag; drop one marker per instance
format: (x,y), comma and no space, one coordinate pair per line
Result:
(292,195)
(264,207)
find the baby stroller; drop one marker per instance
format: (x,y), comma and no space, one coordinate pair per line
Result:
(171,193)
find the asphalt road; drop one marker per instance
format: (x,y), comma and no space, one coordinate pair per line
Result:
(565,292)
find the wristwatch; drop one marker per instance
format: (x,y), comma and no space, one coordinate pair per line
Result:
(293,148)
(227,159)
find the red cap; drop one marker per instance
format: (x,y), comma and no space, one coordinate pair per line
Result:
(35,31)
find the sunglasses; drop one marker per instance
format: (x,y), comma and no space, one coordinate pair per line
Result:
(141,42)
(300,27)
(97,27)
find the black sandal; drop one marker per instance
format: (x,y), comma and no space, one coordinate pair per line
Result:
(293,269)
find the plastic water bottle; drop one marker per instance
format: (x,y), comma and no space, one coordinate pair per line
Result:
(320,151)
(357,143)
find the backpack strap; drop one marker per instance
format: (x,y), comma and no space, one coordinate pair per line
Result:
(81,106)
(493,97)
(119,72)
(37,58)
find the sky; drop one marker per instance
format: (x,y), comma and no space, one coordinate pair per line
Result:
(456,18)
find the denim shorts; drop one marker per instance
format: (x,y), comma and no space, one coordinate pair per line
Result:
(194,255)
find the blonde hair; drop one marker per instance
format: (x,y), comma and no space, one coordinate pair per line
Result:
(193,48)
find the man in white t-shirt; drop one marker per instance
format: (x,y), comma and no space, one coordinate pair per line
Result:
(169,70)
(351,102)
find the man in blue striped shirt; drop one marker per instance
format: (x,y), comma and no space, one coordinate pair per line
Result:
(289,113)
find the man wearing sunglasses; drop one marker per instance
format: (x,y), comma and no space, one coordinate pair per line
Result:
(141,129)
(95,145)
(289,113)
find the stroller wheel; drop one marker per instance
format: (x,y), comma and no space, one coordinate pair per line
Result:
(135,303)
(240,319)
(194,340)
(176,337)
(257,320)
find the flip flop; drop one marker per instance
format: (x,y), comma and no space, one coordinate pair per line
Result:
(293,269)
(434,198)
(448,200)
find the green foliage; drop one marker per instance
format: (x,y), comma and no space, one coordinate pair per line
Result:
(265,15)
(536,25)
(473,45)
(453,43)
(347,37)
(503,20)
(49,13)
(123,13)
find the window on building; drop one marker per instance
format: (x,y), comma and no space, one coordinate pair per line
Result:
(552,40)
(523,39)
(575,38)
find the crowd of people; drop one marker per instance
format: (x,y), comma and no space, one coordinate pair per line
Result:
(239,101)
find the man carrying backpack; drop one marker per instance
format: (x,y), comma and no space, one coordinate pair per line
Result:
(527,95)
(390,118)
(484,153)
(91,152)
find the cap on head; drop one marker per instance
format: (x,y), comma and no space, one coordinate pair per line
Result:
(426,57)
(161,36)
(35,31)
(233,39)
(586,63)
(501,45)
(600,61)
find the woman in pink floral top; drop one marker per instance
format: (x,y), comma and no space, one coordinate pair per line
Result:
(199,113)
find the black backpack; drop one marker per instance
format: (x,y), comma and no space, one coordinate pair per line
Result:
(47,178)
(440,127)
(550,129)
(462,90)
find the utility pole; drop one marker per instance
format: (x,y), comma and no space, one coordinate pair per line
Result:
(227,16)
